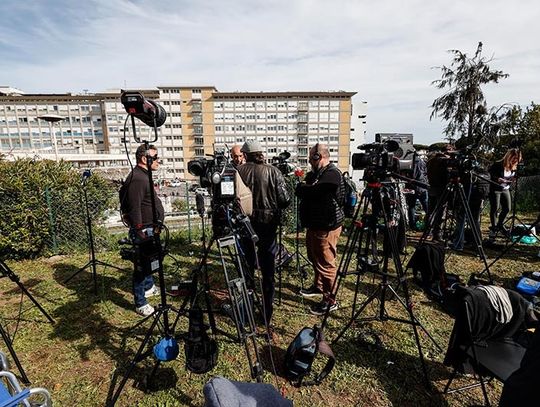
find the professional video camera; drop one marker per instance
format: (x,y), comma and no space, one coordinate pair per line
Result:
(231,199)
(281,163)
(377,161)
(460,162)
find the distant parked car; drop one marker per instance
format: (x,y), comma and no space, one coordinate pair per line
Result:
(175,183)
(202,191)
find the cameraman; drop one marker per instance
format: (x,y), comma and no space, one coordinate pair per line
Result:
(136,204)
(269,196)
(321,212)
(437,174)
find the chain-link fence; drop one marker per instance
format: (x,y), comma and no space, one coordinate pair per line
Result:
(527,194)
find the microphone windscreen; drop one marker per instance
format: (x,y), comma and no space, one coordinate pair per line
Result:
(199,201)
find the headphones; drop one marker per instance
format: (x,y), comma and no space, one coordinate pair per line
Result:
(316,156)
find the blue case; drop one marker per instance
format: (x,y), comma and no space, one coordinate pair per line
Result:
(528,286)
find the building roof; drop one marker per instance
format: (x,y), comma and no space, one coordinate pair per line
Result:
(286,95)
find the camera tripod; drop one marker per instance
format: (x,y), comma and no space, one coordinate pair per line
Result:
(5,271)
(376,203)
(93,262)
(454,190)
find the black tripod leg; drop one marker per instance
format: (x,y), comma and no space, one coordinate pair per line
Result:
(136,359)
(5,270)
(357,314)
(7,341)
(475,231)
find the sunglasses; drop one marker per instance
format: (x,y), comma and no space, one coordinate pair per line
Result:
(154,157)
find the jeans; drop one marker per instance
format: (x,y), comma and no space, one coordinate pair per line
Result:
(141,283)
(411,204)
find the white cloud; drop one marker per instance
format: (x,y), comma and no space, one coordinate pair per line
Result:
(383,50)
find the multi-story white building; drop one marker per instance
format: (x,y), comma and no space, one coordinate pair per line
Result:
(94,129)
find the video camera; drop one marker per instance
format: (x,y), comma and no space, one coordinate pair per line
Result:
(377,161)
(218,175)
(460,162)
(281,163)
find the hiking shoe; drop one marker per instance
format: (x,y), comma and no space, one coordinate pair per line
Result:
(151,292)
(145,310)
(321,308)
(310,292)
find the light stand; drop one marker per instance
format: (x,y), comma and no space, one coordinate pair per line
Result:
(135,106)
(5,271)
(93,262)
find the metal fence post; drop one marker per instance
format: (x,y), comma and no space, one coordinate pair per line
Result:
(51,221)
(188,213)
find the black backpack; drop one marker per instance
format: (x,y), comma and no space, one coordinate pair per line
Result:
(302,352)
(350,195)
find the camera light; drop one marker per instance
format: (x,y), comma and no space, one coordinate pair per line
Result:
(216,178)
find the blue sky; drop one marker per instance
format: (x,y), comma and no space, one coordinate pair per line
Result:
(385,50)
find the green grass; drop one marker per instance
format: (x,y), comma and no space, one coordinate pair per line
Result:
(76,358)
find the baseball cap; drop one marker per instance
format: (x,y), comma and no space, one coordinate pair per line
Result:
(252,146)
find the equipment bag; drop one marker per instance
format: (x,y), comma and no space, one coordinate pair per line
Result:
(429,272)
(302,352)
(201,350)
(350,195)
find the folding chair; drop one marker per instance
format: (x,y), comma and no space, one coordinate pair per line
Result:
(11,393)
(481,345)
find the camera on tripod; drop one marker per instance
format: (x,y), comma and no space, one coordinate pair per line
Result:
(281,163)
(231,200)
(461,162)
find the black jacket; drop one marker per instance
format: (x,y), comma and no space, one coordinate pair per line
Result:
(269,191)
(136,201)
(321,199)
(496,171)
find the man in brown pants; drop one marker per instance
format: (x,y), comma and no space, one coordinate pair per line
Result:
(321,212)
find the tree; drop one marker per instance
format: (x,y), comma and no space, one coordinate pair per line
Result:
(521,128)
(463,105)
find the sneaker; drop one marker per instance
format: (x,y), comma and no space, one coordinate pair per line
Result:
(310,292)
(145,310)
(151,292)
(321,308)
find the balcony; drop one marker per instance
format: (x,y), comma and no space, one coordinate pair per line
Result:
(302,141)
(302,129)
(198,130)
(197,119)
(198,141)
(302,118)
(196,106)
(303,106)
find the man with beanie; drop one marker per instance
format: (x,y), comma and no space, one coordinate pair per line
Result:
(321,212)
(270,195)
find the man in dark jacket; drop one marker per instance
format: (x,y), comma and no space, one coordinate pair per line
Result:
(137,212)
(321,212)
(270,195)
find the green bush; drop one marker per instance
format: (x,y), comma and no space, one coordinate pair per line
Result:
(41,207)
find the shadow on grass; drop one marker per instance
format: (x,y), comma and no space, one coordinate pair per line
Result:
(400,374)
